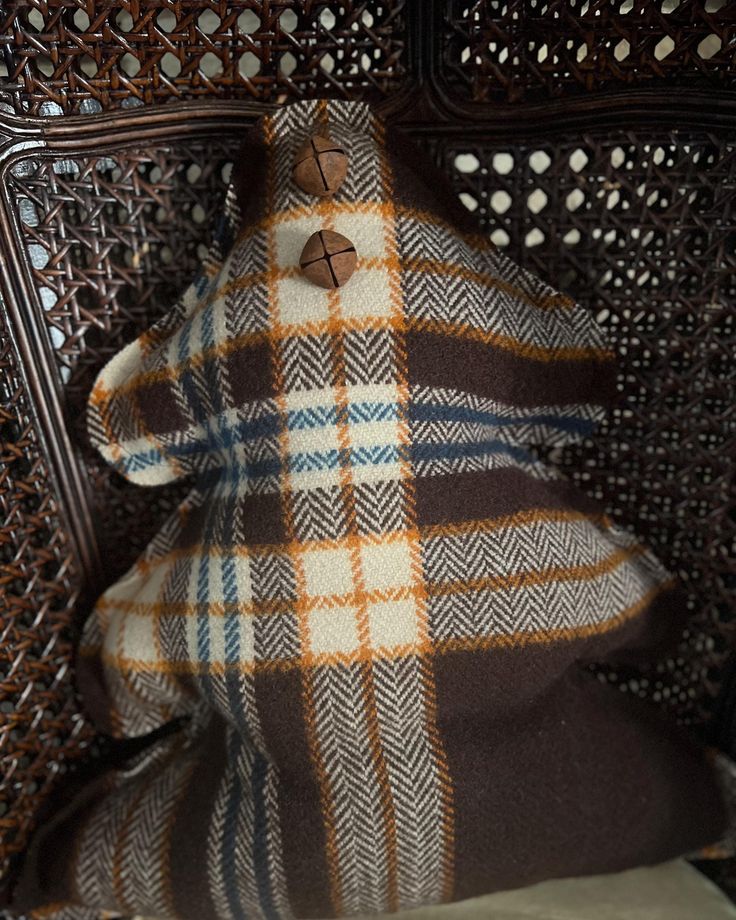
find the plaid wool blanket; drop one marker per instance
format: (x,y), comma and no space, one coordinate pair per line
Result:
(374,613)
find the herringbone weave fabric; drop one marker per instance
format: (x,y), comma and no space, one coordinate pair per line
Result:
(375,609)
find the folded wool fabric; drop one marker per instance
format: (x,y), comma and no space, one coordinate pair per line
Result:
(375,612)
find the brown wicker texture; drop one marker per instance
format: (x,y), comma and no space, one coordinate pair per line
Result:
(514,50)
(112,239)
(40,723)
(76,56)
(627,204)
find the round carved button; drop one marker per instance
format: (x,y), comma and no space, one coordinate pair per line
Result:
(328,259)
(320,166)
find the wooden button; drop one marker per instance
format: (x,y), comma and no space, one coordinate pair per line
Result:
(320,166)
(328,259)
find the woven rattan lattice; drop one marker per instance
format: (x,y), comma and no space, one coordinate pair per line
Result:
(83,57)
(518,50)
(556,120)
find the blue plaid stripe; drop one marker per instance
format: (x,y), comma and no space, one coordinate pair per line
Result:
(358,412)
(435,412)
(259,431)
(221,433)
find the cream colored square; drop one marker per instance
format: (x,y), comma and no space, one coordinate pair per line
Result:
(386,565)
(374,434)
(299,302)
(321,440)
(387,393)
(327,572)
(367,232)
(112,624)
(377,472)
(314,479)
(309,399)
(333,631)
(139,638)
(289,237)
(366,295)
(393,624)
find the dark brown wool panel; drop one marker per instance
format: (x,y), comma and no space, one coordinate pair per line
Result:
(250,173)
(566,776)
(458,362)
(187,863)
(479,495)
(420,186)
(159,408)
(51,879)
(258,515)
(250,372)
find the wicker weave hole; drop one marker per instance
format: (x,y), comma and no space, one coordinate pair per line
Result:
(466,163)
(664,47)
(500,201)
(248,22)
(287,64)
(248,65)
(710,46)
